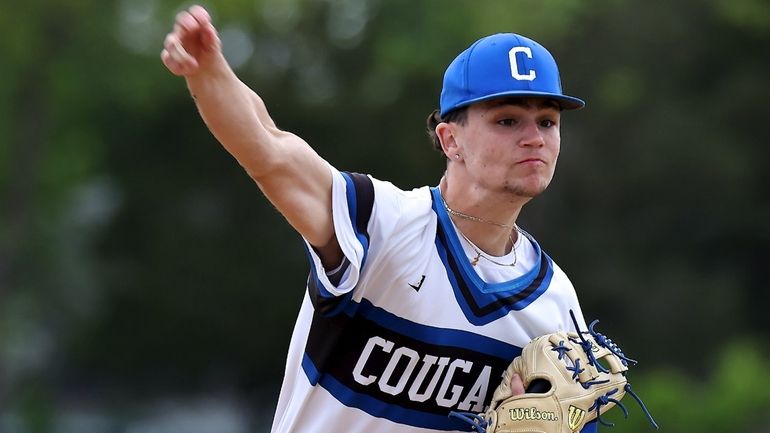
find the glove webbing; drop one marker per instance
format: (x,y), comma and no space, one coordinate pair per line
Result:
(612,347)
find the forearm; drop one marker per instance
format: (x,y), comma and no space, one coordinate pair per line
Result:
(236,116)
(288,171)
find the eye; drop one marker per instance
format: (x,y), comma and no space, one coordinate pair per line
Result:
(547,123)
(506,122)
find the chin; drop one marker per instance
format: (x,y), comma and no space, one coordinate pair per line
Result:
(524,192)
(527,189)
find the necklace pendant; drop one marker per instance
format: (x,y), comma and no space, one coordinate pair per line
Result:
(476,260)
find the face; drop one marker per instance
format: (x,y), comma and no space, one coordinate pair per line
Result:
(508,145)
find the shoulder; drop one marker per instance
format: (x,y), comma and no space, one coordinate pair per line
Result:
(379,209)
(388,200)
(406,210)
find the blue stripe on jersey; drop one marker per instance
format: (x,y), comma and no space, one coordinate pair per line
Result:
(483,302)
(431,334)
(360,195)
(453,244)
(312,373)
(360,202)
(324,302)
(496,304)
(379,408)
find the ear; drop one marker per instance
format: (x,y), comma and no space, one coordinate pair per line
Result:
(447,135)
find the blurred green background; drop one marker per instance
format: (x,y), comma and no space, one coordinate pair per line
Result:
(146,286)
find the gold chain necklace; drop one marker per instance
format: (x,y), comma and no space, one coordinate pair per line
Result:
(476,219)
(479,254)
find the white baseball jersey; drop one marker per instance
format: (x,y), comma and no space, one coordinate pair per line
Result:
(410,331)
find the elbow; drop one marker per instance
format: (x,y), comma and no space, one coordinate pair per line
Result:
(265,166)
(272,159)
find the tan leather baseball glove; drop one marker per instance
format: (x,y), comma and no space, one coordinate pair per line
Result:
(571,379)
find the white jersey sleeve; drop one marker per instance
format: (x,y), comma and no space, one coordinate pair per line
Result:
(366,229)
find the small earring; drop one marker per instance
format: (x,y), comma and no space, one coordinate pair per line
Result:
(457,156)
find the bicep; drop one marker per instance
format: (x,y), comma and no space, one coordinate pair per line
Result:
(296,180)
(299,185)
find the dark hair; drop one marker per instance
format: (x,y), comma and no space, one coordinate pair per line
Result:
(459,115)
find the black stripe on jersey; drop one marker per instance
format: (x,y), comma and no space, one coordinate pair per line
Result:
(360,201)
(482,306)
(325,305)
(400,370)
(362,204)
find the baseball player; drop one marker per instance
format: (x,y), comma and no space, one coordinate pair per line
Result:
(417,300)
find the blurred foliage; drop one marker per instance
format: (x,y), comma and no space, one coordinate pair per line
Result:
(138,260)
(734,396)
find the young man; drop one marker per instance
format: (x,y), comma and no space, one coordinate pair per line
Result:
(417,300)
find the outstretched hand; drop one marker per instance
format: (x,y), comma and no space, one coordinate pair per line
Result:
(193,44)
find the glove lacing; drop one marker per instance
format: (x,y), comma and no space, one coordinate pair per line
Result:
(612,347)
(475,420)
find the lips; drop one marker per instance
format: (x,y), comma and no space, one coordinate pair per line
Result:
(532,161)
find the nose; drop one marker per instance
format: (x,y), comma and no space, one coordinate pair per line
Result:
(532,136)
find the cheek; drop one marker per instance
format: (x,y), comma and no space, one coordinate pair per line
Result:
(556,145)
(495,158)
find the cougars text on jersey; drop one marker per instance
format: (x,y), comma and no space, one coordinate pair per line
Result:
(403,371)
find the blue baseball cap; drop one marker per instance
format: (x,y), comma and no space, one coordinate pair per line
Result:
(504,64)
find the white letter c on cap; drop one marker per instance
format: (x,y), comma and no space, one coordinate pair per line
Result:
(515,67)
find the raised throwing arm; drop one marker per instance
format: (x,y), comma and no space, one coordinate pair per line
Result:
(288,171)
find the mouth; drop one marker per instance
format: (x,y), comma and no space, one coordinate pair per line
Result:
(531,161)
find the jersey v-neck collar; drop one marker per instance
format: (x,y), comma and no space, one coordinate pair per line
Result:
(482,300)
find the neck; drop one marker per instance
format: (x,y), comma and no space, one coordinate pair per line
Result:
(485,219)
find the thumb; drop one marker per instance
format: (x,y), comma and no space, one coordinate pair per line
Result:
(511,384)
(517,385)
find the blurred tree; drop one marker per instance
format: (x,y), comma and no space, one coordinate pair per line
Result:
(665,183)
(48,152)
(136,258)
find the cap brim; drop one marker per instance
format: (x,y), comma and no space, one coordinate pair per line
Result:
(564,101)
